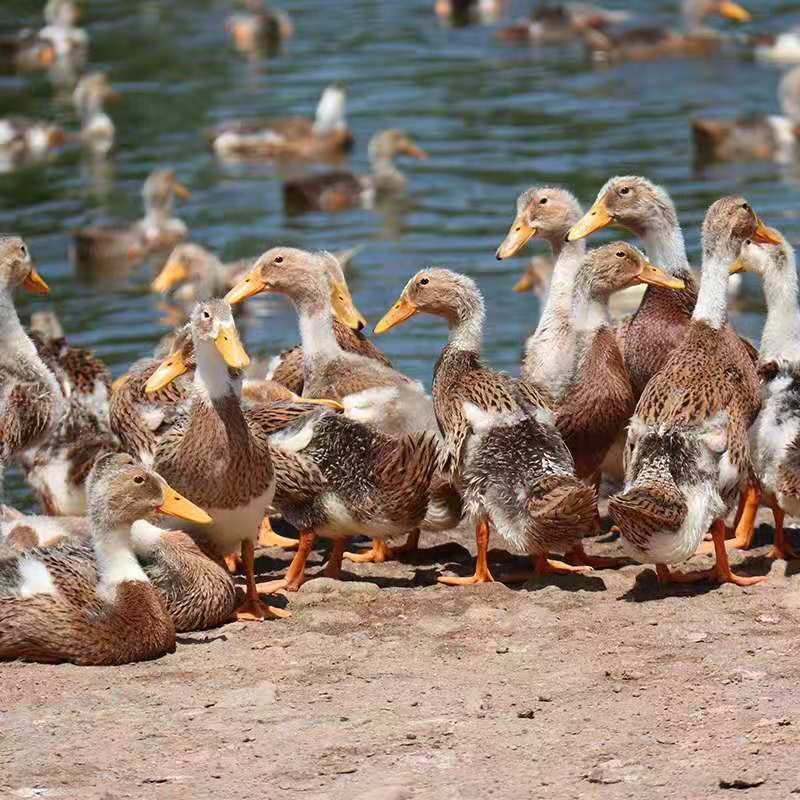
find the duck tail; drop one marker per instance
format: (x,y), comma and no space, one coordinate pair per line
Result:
(561,512)
(414,457)
(647,508)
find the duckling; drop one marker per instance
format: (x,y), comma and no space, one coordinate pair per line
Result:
(25,52)
(338,191)
(108,614)
(258,26)
(97,128)
(326,136)
(753,136)
(561,22)
(644,44)
(774,437)
(24,140)
(32,404)
(215,451)
(501,447)
(157,230)
(688,453)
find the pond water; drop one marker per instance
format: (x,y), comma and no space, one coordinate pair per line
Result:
(494,119)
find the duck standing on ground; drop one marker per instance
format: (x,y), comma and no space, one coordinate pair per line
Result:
(775,435)
(55,606)
(688,454)
(326,136)
(340,190)
(157,230)
(501,447)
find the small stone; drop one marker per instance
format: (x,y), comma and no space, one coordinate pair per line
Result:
(544,698)
(501,650)
(528,713)
(741,782)
(697,637)
(767,620)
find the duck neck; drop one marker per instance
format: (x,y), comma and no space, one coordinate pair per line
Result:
(712,299)
(589,311)
(666,248)
(569,257)
(212,380)
(116,562)
(17,348)
(316,325)
(780,340)
(384,170)
(466,326)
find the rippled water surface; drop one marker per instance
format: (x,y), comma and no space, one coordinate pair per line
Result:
(494,119)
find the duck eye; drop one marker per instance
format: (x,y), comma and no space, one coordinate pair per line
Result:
(543,201)
(206,315)
(277,260)
(745,206)
(625,190)
(23,251)
(138,479)
(748,242)
(424,281)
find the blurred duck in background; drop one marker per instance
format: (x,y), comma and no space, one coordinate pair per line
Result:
(25,51)
(259,27)
(89,97)
(561,22)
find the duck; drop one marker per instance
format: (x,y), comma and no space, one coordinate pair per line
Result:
(214,449)
(561,22)
(24,140)
(105,614)
(771,137)
(60,30)
(25,52)
(258,26)
(645,44)
(687,452)
(157,230)
(501,447)
(324,137)
(774,436)
(340,190)
(32,404)
(97,128)
(782,48)
(464,12)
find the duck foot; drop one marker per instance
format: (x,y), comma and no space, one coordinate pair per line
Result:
(380,551)
(482,573)
(333,569)
(580,557)
(746,525)
(542,565)
(268,538)
(233,563)
(781,549)
(296,573)
(254,609)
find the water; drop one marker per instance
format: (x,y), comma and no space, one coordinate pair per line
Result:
(494,119)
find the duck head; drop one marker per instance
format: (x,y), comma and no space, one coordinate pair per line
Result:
(17,267)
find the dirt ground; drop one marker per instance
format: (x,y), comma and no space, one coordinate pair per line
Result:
(387,686)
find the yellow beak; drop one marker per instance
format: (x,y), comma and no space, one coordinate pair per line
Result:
(320,401)
(247,287)
(344,308)
(657,277)
(597,217)
(172,367)
(230,347)
(174,271)
(35,283)
(176,505)
(734,11)
(517,237)
(402,310)
(525,283)
(411,149)
(181,191)
(737,266)
(763,234)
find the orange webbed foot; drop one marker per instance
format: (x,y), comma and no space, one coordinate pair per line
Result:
(253,609)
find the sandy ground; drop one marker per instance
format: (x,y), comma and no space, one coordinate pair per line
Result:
(387,686)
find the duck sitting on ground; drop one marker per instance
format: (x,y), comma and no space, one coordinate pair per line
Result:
(340,190)
(259,26)
(157,230)
(645,44)
(561,22)
(97,129)
(323,137)
(501,447)
(57,606)
(753,136)
(775,435)
(688,454)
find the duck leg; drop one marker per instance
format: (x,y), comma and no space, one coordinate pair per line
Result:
(333,569)
(268,538)
(781,548)
(746,527)
(380,551)
(542,565)
(253,608)
(580,557)
(482,573)
(296,574)
(719,573)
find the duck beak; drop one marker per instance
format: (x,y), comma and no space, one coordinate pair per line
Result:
(344,308)
(172,367)
(597,217)
(176,505)
(320,401)
(174,271)
(517,237)
(737,266)
(230,347)
(35,283)
(763,234)
(181,191)
(734,11)
(657,277)
(410,149)
(47,56)
(247,287)
(402,310)
(524,284)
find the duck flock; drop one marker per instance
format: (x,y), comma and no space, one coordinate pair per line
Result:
(155,489)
